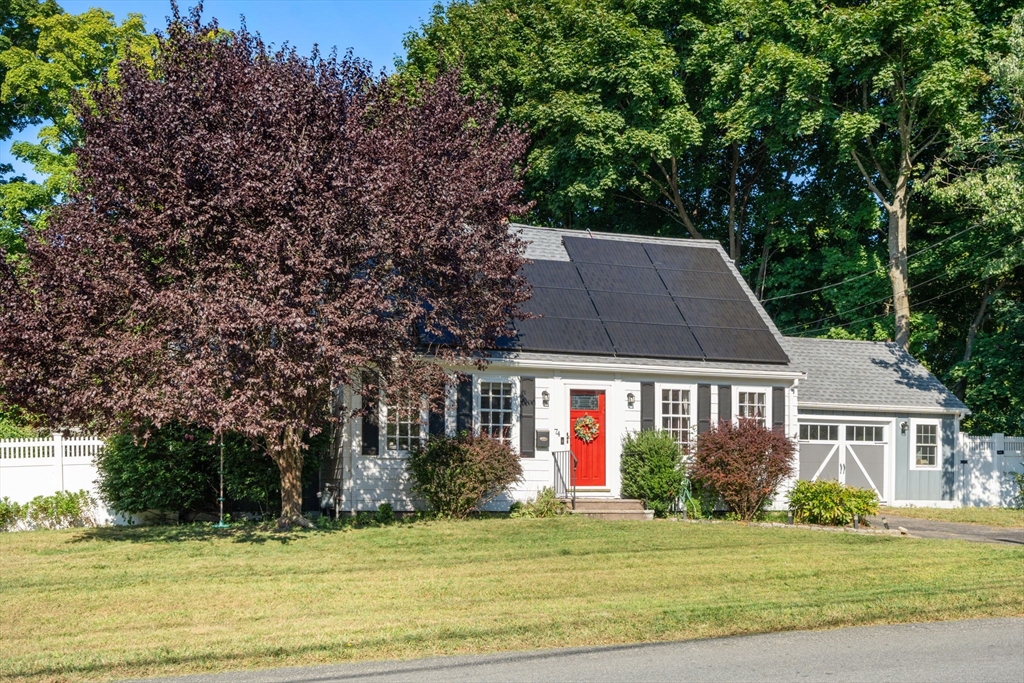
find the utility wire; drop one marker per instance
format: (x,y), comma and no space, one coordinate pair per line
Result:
(919,303)
(889,296)
(870,272)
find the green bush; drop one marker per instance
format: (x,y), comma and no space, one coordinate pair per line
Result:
(61,510)
(545,505)
(652,469)
(10,513)
(457,475)
(177,469)
(385,514)
(830,503)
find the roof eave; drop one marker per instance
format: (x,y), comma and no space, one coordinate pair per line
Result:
(936,410)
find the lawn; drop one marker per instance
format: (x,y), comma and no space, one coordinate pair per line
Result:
(129,602)
(1002,517)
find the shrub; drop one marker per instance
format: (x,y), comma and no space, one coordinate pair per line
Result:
(742,464)
(10,513)
(177,469)
(385,514)
(459,474)
(831,503)
(545,505)
(62,510)
(652,469)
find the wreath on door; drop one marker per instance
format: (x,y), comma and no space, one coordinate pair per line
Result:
(586,428)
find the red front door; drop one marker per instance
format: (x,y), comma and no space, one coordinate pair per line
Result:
(590,471)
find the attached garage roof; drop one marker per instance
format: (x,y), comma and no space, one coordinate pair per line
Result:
(852,374)
(631,296)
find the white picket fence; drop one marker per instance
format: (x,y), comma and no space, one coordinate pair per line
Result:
(41,467)
(984,479)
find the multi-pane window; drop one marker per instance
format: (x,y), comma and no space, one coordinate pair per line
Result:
(863,433)
(926,445)
(404,428)
(496,410)
(751,405)
(819,432)
(675,415)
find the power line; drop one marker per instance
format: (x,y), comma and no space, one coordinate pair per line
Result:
(889,296)
(871,272)
(919,303)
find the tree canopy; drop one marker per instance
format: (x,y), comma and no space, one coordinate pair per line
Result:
(859,160)
(283,224)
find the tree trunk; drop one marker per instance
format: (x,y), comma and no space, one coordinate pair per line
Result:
(898,219)
(972,333)
(734,252)
(289,462)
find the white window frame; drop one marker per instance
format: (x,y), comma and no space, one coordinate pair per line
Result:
(914,422)
(830,425)
(516,408)
(382,431)
(767,391)
(659,415)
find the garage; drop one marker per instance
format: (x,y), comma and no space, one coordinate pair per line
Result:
(853,454)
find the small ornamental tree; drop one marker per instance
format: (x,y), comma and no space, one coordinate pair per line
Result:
(743,464)
(250,230)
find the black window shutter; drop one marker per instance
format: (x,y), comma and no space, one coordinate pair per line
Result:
(778,408)
(527,416)
(371,430)
(725,403)
(646,406)
(703,407)
(435,420)
(464,406)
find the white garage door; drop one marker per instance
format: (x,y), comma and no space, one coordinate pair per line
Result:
(854,454)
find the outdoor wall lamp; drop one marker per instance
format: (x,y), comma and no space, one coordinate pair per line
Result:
(545,398)
(630,400)
(903,427)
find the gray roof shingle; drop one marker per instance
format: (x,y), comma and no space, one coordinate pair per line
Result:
(859,373)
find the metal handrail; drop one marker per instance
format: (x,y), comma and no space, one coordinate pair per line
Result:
(565,464)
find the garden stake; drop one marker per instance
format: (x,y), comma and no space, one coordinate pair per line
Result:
(221,524)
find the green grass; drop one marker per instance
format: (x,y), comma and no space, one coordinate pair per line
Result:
(1002,517)
(124,602)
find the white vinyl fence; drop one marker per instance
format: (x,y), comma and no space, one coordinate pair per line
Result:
(985,476)
(41,467)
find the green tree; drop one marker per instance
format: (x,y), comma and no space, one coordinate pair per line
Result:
(47,58)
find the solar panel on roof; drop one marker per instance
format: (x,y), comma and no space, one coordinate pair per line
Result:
(607,252)
(672,257)
(562,335)
(653,341)
(738,346)
(703,284)
(720,313)
(621,279)
(560,303)
(634,308)
(560,274)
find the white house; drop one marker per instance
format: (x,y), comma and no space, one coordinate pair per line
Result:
(643,333)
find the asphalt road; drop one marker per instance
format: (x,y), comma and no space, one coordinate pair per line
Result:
(928,528)
(989,651)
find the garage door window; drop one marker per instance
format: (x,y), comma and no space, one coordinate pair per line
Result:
(819,432)
(868,434)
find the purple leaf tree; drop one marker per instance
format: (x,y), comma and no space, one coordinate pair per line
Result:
(253,229)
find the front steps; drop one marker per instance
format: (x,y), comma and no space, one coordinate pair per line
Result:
(611,508)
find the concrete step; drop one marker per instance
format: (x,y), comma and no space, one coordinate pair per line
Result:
(635,515)
(608,504)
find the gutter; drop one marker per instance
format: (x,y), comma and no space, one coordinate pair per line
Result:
(933,410)
(650,369)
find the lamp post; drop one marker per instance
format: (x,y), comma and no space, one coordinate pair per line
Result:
(221,524)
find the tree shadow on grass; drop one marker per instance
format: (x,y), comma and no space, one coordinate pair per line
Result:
(241,533)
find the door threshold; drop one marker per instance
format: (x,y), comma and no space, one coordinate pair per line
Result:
(592,489)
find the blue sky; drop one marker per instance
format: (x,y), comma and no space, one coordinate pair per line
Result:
(372,28)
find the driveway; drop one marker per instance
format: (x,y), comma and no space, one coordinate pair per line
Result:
(927,528)
(990,650)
